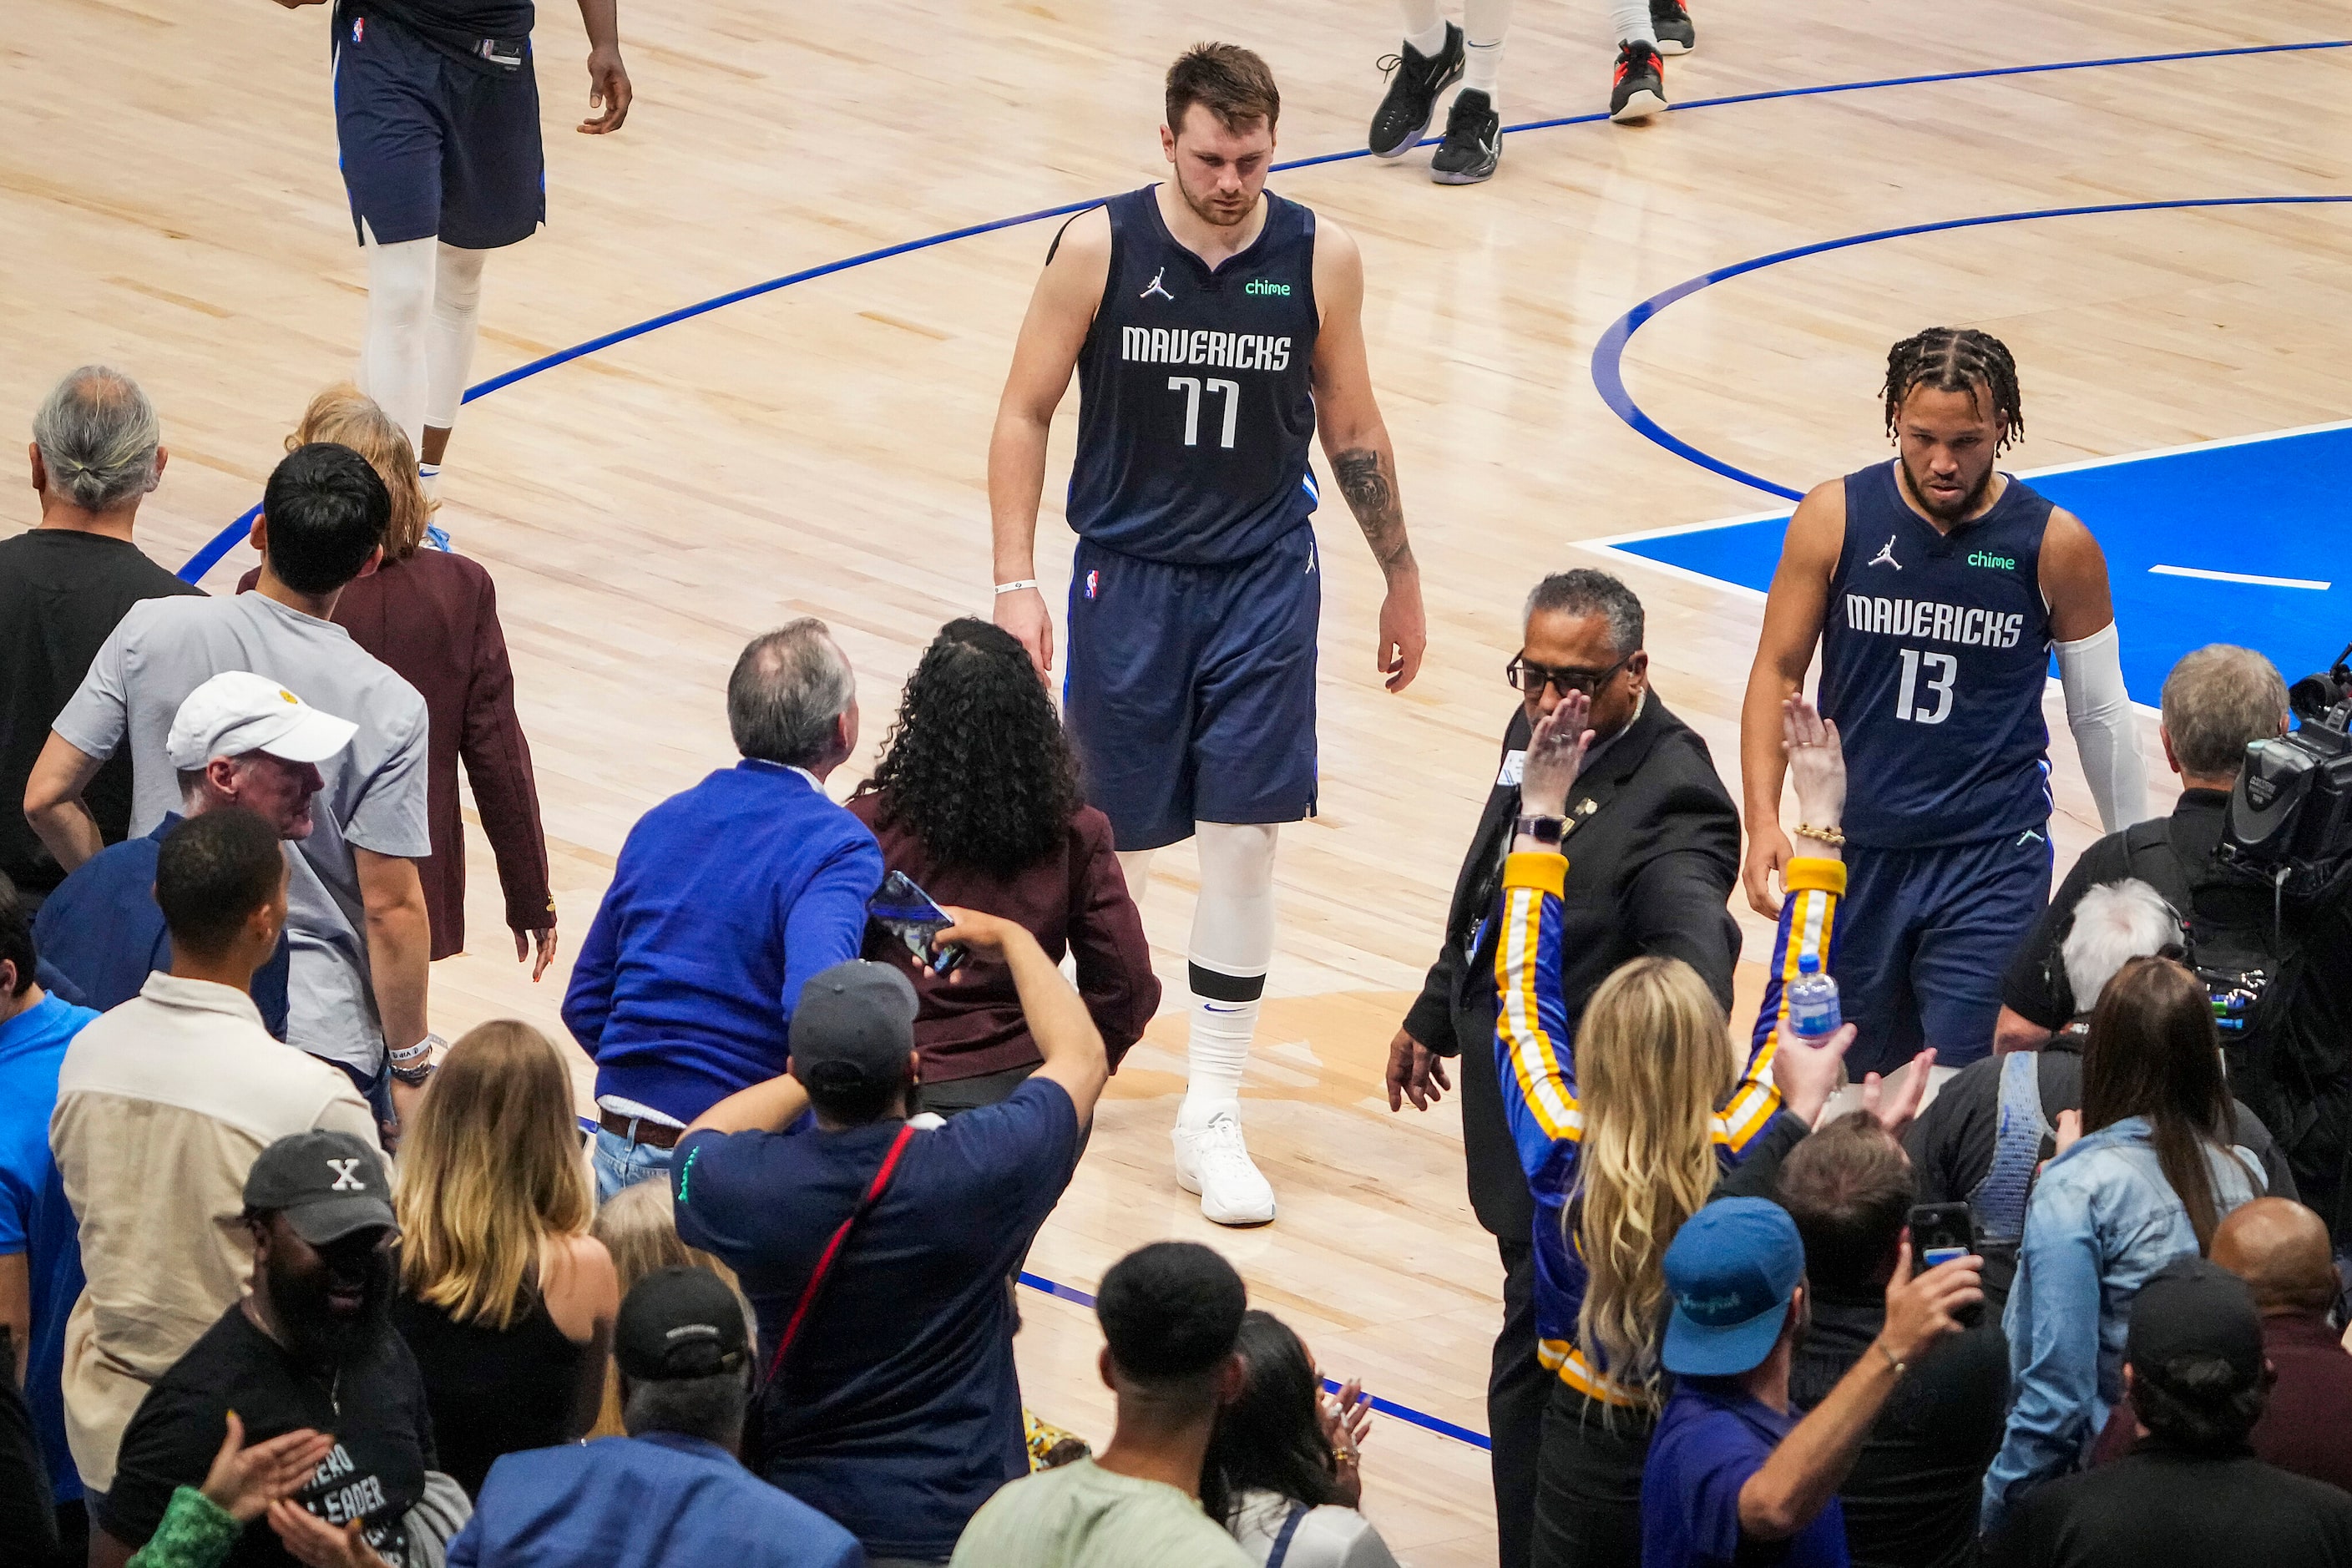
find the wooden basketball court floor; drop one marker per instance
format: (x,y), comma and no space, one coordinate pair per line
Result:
(169,202)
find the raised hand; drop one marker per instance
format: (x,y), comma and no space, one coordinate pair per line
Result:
(1895,1112)
(1922,1310)
(1816,762)
(242,1482)
(1555,756)
(1807,1074)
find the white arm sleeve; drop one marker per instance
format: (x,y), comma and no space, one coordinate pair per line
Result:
(2099,712)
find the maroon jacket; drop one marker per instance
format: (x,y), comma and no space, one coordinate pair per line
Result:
(1074,900)
(2306,1428)
(434,618)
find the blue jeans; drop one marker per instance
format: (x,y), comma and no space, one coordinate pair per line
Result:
(620,1163)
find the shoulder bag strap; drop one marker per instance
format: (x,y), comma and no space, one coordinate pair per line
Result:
(824,1262)
(1282,1541)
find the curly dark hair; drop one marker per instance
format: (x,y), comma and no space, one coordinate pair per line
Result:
(976,764)
(1956,359)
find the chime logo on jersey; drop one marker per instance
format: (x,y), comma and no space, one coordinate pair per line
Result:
(1093,580)
(1203,345)
(1933,622)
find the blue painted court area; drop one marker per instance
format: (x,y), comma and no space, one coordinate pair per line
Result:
(2272,509)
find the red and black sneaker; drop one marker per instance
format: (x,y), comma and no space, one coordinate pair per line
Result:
(1671,20)
(1641,84)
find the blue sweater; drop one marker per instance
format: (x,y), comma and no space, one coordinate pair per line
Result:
(726,899)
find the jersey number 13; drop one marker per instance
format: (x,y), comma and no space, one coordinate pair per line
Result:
(1940,669)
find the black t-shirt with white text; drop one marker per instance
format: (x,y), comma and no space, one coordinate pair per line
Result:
(374,1408)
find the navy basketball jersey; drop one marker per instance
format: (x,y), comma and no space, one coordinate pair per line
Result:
(1194,410)
(1934,653)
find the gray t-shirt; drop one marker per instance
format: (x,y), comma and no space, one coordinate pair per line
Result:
(374,793)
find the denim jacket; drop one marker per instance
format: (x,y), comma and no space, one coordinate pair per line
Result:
(2103,1219)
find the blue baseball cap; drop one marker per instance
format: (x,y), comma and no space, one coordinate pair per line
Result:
(1731,1272)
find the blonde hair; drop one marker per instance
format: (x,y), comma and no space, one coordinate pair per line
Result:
(1653,1060)
(490,1172)
(638,1225)
(350,417)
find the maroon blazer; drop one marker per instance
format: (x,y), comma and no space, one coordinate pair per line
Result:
(2306,1428)
(1074,900)
(434,618)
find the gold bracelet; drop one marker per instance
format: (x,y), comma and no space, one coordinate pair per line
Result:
(1829,836)
(1899,1368)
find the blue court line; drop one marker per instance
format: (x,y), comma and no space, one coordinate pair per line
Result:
(1608,354)
(203,560)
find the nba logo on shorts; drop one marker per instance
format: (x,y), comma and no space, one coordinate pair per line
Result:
(359,27)
(1093,580)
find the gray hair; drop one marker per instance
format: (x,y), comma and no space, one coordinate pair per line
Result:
(787,690)
(98,436)
(2114,923)
(710,1408)
(1585,592)
(2218,700)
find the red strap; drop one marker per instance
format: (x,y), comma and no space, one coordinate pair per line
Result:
(832,1250)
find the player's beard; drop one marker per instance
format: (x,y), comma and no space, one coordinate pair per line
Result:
(1208,212)
(1944,511)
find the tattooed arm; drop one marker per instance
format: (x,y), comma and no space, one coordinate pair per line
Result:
(1356,443)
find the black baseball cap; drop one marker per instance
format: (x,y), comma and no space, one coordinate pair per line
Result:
(854,1028)
(2192,1307)
(679,1323)
(326,1185)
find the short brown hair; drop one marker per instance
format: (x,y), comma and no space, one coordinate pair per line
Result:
(1227,80)
(2218,701)
(1849,1189)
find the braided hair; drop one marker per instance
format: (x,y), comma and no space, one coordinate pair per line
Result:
(1956,359)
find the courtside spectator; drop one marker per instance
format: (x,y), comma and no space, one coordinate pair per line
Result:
(238,740)
(1983,1138)
(64,584)
(1284,1472)
(2280,1249)
(434,617)
(2191,1490)
(889,1399)
(2149,1179)
(40,1257)
(726,899)
(163,1105)
(639,1231)
(1170,1315)
(1911,1499)
(976,799)
(356,912)
(671,1494)
(1736,1473)
(308,1344)
(505,1299)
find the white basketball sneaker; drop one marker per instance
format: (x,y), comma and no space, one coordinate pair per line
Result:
(1214,1162)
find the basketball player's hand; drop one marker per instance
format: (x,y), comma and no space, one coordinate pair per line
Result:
(1807,1074)
(1415,1073)
(544,941)
(608,89)
(1404,631)
(1769,850)
(1894,1111)
(1555,756)
(1816,763)
(1023,613)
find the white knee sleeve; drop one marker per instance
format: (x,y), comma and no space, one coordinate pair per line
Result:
(449,341)
(1631,20)
(400,298)
(1233,943)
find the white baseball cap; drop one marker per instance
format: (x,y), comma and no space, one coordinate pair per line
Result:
(238,711)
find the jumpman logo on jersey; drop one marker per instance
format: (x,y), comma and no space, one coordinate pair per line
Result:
(1154,288)
(1885,557)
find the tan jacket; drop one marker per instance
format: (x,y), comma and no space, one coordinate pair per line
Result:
(162,1104)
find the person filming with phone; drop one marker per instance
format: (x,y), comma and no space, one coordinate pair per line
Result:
(875,1255)
(976,803)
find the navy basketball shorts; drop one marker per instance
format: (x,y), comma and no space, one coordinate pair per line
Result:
(434,145)
(1190,690)
(1922,936)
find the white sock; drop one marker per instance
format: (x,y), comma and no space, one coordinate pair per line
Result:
(1233,943)
(429,475)
(449,340)
(1631,20)
(1486,22)
(1424,27)
(400,298)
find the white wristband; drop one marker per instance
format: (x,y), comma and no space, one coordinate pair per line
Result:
(421,1048)
(1016,587)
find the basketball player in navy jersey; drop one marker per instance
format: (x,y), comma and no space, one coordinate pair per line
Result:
(437,117)
(1938,588)
(1213,326)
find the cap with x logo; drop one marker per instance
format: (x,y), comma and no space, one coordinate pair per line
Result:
(326,1185)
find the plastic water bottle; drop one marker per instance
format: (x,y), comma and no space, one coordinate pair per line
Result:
(1812,1002)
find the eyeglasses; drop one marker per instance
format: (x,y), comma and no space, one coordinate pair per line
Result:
(1531,678)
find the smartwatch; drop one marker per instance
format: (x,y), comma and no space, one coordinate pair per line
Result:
(1544,829)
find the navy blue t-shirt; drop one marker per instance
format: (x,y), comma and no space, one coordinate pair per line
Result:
(102,930)
(899,1413)
(1713,1436)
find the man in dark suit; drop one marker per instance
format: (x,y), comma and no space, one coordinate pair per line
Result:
(1653,858)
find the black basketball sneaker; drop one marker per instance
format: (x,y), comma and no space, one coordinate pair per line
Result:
(1641,84)
(1671,20)
(1414,81)
(1474,140)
